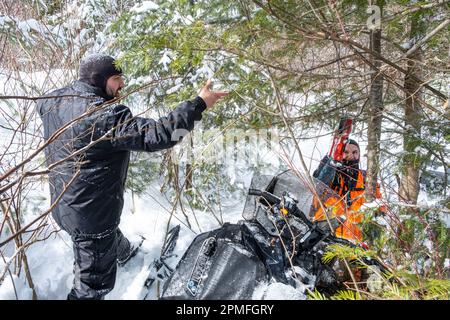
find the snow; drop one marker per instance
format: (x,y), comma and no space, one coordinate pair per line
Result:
(13,285)
(31,24)
(446,219)
(406,45)
(3,20)
(428,244)
(174,89)
(144,6)
(165,59)
(278,291)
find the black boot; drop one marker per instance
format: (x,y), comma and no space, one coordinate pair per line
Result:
(125,250)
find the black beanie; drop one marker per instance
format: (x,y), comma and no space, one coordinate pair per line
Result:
(95,70)
(351,141)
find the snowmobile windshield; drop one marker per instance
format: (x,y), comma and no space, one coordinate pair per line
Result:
(309,196)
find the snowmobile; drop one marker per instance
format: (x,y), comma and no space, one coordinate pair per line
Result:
(276,241)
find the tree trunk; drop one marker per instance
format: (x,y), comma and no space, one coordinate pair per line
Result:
(409,183)
(375,117)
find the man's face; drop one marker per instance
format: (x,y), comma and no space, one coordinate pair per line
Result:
(114,85)
(351,152)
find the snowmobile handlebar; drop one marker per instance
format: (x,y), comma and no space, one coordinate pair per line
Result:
(269,197)
(272,200)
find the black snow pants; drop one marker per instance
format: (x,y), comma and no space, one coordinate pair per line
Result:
(95,263)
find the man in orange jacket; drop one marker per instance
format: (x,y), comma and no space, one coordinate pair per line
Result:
(349,184)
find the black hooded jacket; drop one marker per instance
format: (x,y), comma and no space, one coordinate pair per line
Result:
(89,186)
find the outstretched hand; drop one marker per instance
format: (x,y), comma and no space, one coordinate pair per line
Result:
(211,97)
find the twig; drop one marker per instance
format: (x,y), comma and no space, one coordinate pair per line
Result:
(42,215)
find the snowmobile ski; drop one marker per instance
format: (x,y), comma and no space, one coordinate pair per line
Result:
(159,269)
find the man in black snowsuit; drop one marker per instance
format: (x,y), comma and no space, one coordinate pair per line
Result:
(94,150)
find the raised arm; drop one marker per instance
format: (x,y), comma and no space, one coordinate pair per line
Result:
(142,134)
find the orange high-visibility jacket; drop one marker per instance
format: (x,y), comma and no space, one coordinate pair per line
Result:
(348,229)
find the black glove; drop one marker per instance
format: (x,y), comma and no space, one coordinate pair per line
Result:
(326,171)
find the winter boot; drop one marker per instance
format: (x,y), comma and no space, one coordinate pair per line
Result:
(125,250)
